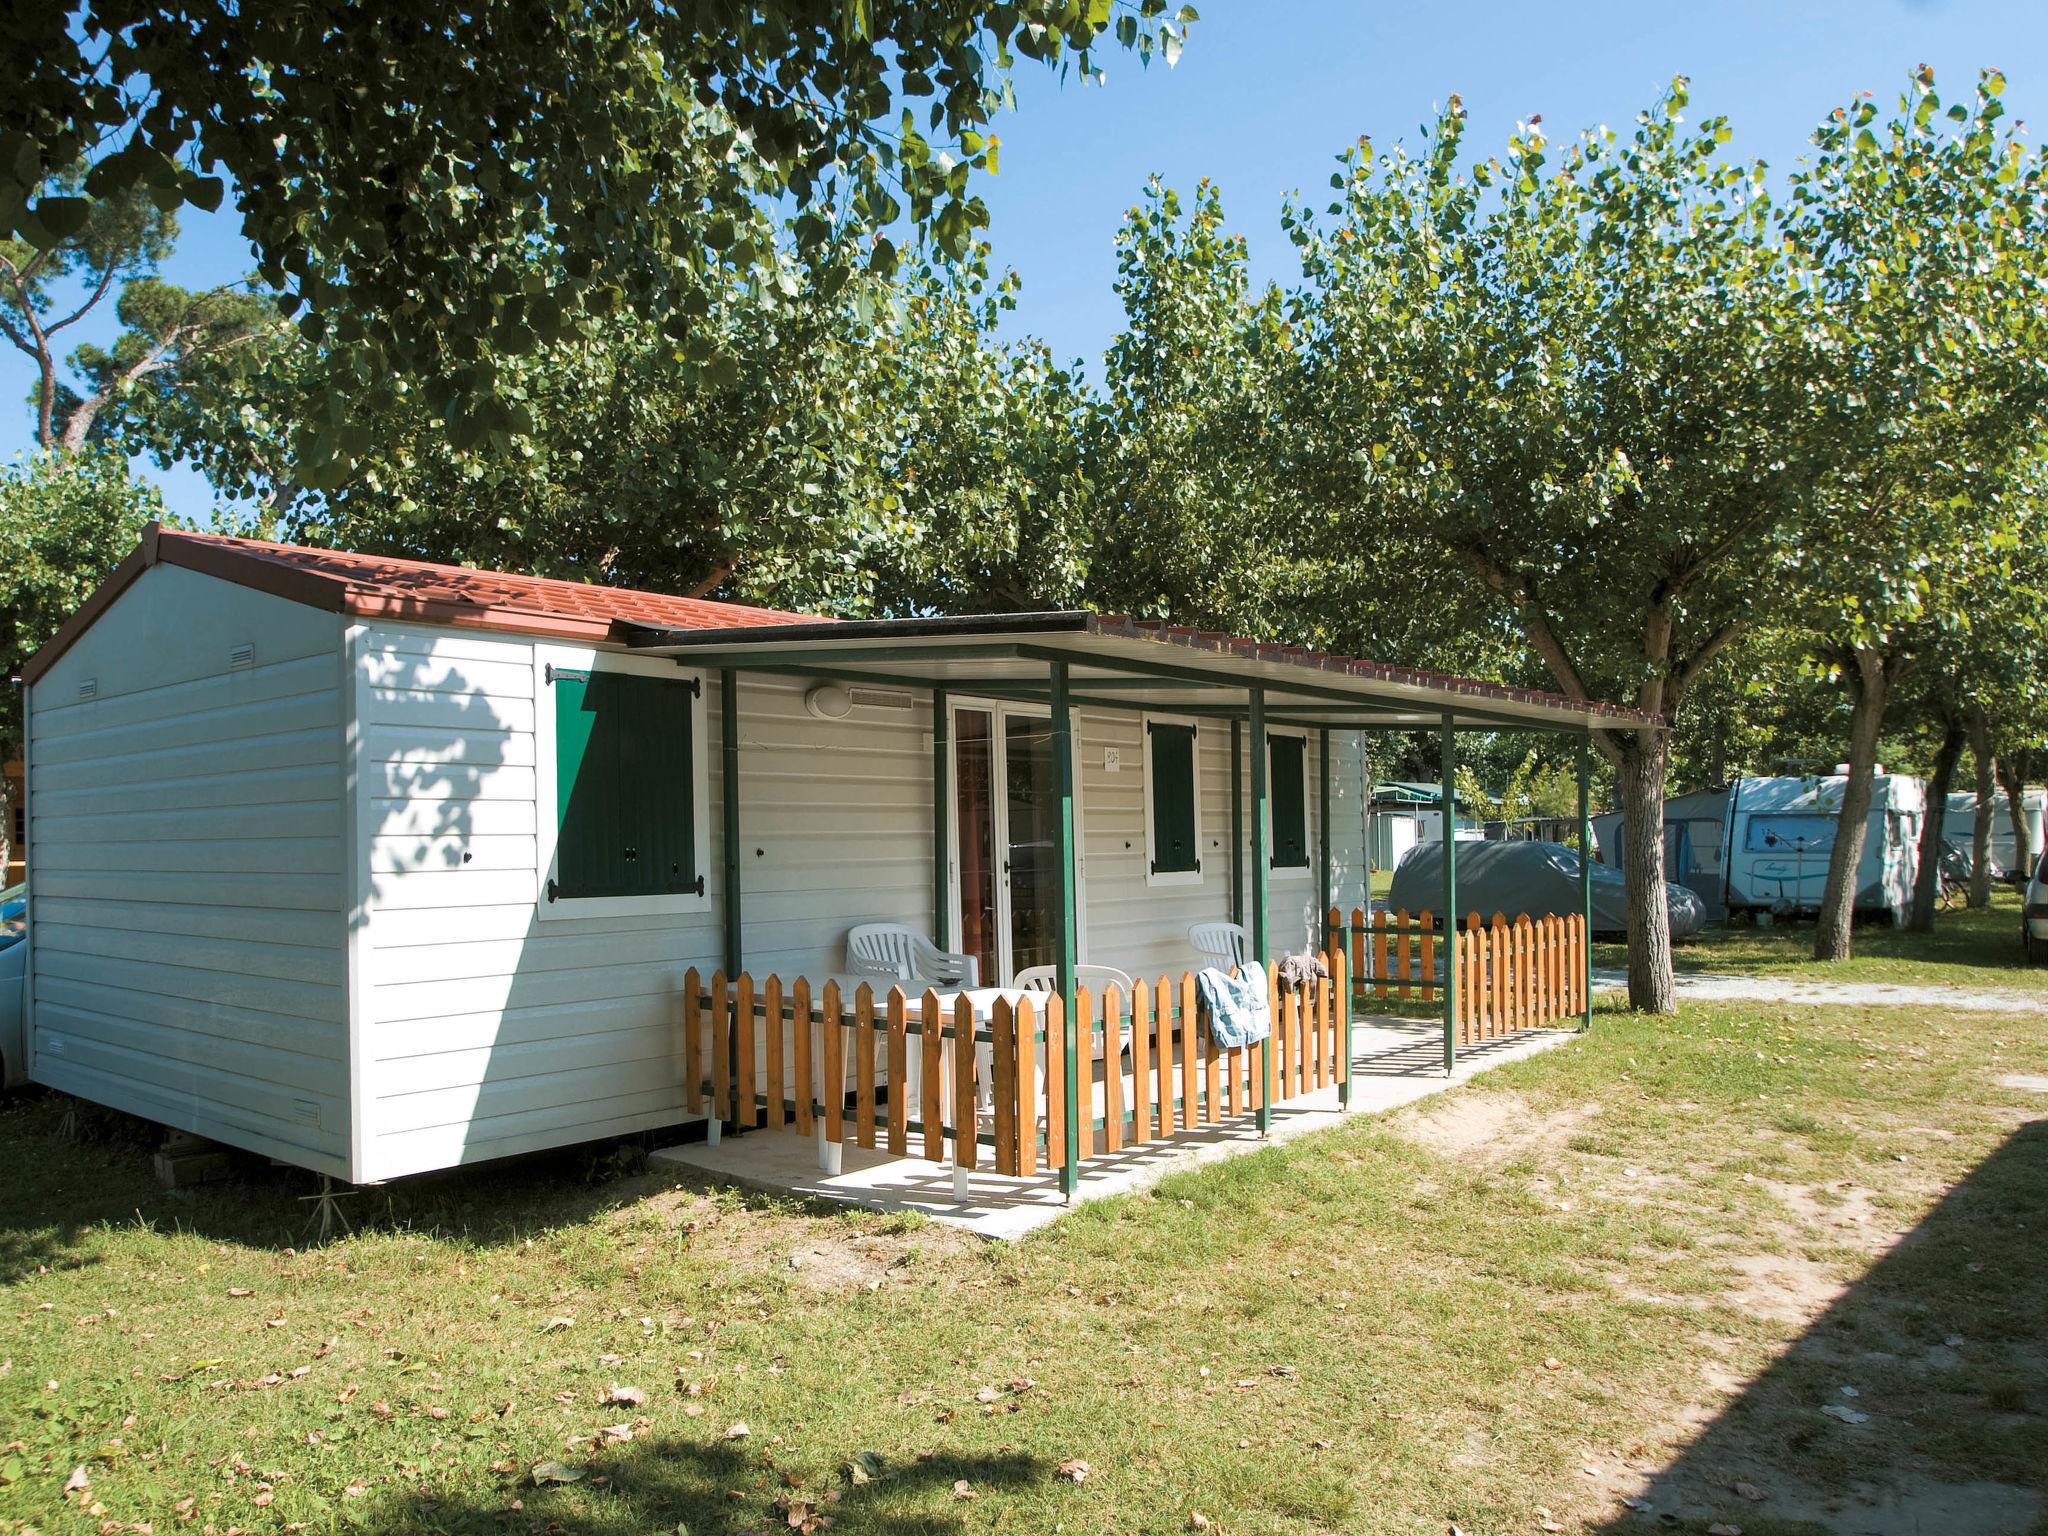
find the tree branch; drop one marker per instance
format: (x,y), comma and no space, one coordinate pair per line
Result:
(80,421)
(1716,643)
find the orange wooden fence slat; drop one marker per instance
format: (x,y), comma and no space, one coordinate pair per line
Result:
(771,1042)
(1190,1053)
(1358,941)
(1055,1082)
(899,1072)
(1401,953)
(1084,1052)
(1379,954)
(1112,1068)
(743,1016)
(864,1065)
(1162,1014)
(1427,923)
(1026,1078)
(721,1048)
(931,1049)
(832,1073)
(1141,1063)
(800,1057)
(966,1120)
(1003,1084)
(693,1044)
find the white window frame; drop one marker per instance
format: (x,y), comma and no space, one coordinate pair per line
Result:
(1198,874)
(1311,834)
(547,826)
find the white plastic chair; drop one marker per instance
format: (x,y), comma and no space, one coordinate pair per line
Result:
(1222,945)
(904,954)
(1044,978)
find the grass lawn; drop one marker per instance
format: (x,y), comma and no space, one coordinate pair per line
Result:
(1637,1267)
(1966,949)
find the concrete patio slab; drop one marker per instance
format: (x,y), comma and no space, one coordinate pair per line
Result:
(1395,1062)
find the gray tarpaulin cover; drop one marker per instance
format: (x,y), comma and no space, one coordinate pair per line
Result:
(1536,878)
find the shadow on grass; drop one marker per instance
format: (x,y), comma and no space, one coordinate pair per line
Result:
(720,1489)
(59,1188)
(1942,1344)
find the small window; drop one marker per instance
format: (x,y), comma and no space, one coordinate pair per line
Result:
(1791,834)
(1287,799)
(625,761)
(1173,834)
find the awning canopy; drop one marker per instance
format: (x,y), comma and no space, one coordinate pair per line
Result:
(1114,662)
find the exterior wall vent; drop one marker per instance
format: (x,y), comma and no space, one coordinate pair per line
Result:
(880,698)
(242,657)
(89,689)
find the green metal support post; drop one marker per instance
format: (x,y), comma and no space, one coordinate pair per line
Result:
(1063,777)
(1586,866)
(1261,862)
(729,764)
(1449,824)
(942,917)
(1237,823)
(1326,889)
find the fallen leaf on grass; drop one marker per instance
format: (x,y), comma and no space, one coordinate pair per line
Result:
(1751,1492)
(1719,1528)
(557,1324)
(1553,1364)
(738,1431)
(78,1482)
(964,1490)
(555,1472)
(631,1397)
(381,1409)
(1197,1521)
(1846,1415)
(240,1290)
(1075,1471)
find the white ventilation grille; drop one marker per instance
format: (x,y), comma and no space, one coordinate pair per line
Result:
(242,657)
(880,698)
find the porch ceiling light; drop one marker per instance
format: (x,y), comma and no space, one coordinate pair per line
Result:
(828,701)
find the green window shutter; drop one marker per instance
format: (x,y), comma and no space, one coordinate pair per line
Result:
(625,765)
(1173,799)
(1289,802)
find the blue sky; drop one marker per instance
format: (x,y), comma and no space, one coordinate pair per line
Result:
(1269,91)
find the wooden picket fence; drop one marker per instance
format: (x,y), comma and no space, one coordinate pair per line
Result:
(1393,955)
(920,1078)
(1520,974)
(1513,974)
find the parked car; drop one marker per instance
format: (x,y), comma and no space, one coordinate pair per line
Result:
(2034,919)
(1540,879)
(13,1041)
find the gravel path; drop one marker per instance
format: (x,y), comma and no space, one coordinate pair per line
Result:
(1793,989)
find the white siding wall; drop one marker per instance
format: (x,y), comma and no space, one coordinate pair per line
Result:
(186,849)
(490,1031)
(1140,927)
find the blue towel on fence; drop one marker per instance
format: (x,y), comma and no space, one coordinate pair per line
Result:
(1238,1011)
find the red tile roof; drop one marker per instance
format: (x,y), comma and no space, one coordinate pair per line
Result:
(381,587)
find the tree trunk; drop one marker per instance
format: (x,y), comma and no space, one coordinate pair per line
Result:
(1987,808)
(1639,782)
(1927,882)
(1870,683)
(6,819)
(2014,783)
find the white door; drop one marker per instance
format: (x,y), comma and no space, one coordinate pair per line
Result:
(1006,837)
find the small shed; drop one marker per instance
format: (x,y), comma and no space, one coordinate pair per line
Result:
(1405,812)
(1695,845)
(378,867)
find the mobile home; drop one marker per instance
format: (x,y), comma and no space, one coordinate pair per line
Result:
(1781,832)
(1959,826)
(379,867)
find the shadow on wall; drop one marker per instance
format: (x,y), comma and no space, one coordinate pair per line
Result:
(1941,1343)
(676,1485)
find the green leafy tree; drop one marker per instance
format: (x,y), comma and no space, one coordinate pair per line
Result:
(1584,376)
(1921,237)
(398,167)
(65,522)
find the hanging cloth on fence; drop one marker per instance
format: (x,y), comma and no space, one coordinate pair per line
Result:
(1238,1011)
